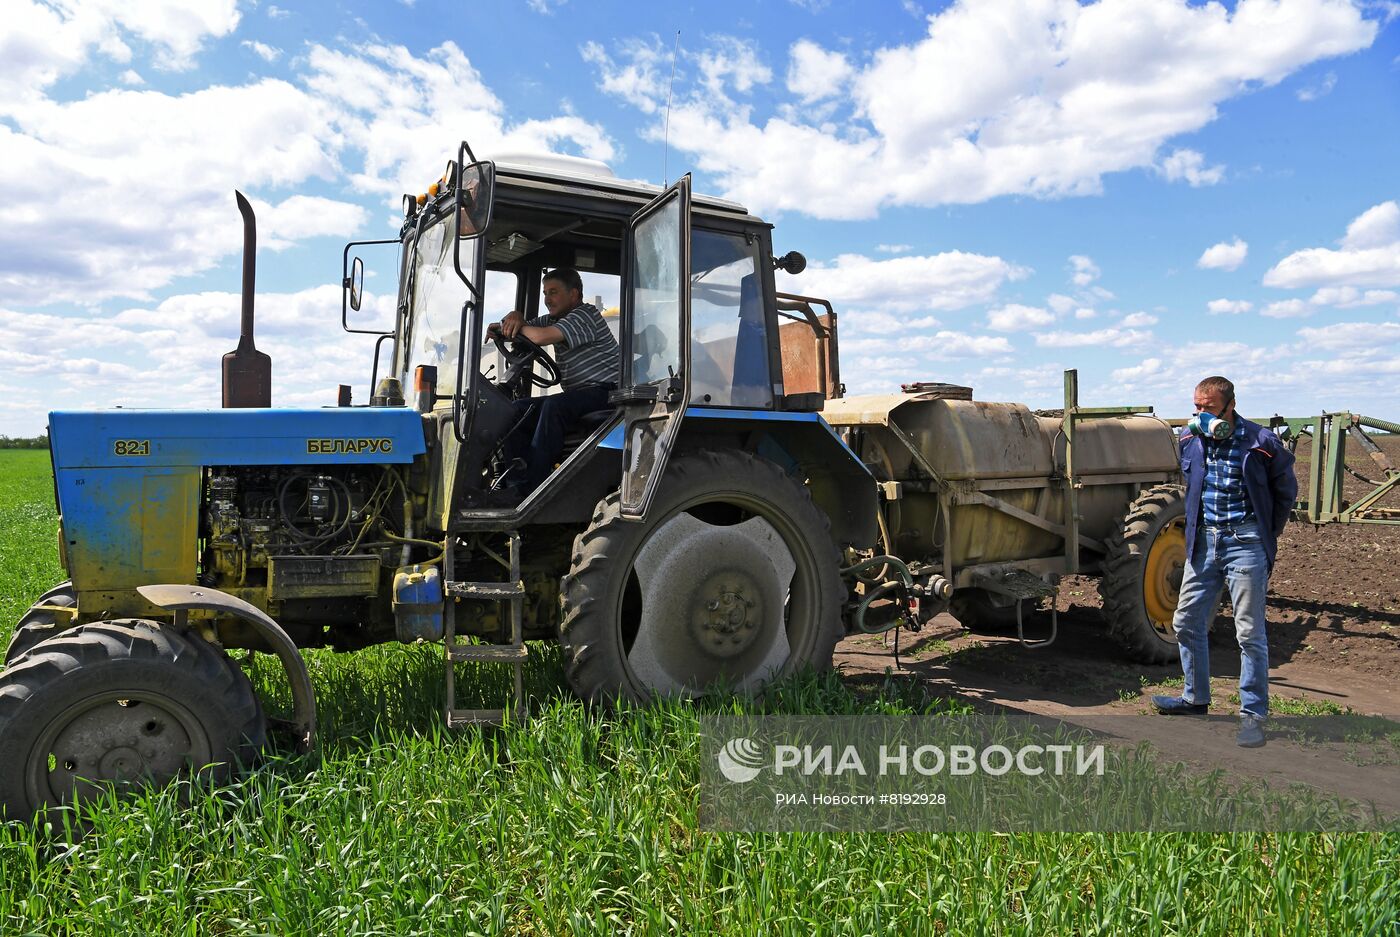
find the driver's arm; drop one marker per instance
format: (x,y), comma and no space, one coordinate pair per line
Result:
(543,334)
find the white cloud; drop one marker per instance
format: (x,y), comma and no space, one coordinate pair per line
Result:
(1034,97)
(1150,367)
(277,13)
(1351,337)
(132,78)
(731,62)
(1060,303)
(43,42)
(951,280)
(1224,256)
(941,346)
(1085,270)
(1286,309)
(1188,165)
(1349,297)
(1318,89)
(262,50)
(168,354)
(1231,307)
(868,322)
(160,202)
(642,81)
(1084,312)
(815,73)
(1369,256)
(1375,227)
(894,248)
(1139,320)
(1112,337)
(1018,318)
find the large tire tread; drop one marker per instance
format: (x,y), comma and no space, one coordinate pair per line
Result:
(1120,587)
(599,676)
(34,685)
(36,625)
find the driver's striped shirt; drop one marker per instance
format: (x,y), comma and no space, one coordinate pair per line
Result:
(589,354)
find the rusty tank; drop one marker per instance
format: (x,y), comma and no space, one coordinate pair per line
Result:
(1002,501)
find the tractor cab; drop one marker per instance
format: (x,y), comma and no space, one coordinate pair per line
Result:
(685,284)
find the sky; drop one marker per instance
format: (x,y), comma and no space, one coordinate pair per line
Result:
(988,191)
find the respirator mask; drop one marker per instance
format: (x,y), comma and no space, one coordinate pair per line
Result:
(1210,426)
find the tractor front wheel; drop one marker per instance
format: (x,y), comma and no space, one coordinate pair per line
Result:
(1142,574)
(733,578)
(117,703)
(38,624)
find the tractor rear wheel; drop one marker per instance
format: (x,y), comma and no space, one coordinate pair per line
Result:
(1142,574)
(120,703)
(37,624)
(733,577)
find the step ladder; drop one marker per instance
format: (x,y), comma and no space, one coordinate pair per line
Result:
(511,593)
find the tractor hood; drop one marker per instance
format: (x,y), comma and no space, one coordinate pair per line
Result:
(329,436)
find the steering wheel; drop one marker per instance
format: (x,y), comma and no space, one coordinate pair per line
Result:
(520,357)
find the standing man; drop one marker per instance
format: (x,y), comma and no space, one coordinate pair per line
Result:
(589,365)
(1239,492)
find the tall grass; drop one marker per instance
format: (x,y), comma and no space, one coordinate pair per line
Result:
(584,822)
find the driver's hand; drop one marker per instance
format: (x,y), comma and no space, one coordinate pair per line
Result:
(512,324)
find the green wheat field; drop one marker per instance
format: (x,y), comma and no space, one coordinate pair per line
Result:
(580,822)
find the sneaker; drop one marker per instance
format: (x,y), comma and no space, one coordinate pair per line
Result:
(1251,733)
(1176,706)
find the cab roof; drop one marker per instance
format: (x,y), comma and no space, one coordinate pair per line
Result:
(591,177)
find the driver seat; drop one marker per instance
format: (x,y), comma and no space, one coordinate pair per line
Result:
(584,428)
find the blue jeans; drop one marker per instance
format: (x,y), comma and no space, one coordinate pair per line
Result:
(1222,556)
(539,439)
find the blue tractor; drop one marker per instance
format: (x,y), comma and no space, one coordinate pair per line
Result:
(693,531)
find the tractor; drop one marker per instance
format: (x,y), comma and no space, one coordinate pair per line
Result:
(692,532)
(708,525)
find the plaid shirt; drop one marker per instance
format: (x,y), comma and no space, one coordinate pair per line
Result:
(1224,500)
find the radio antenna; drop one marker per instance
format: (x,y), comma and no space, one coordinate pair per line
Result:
(666,133)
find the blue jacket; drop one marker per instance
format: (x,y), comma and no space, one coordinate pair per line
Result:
(1268,481)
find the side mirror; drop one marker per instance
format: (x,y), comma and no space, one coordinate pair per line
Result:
(475,188)
(356,283)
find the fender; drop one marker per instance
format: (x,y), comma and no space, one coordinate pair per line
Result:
(181,598)
(807,447)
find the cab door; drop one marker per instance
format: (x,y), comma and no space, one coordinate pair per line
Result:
(655,311)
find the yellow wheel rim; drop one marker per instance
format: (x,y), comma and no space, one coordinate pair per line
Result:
(1161,579)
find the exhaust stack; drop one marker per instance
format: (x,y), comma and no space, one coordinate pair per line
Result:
(247,371)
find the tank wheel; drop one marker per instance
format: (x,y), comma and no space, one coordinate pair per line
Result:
(733,576)
(37,624)
(118,702)
(1142,574)
(974,610)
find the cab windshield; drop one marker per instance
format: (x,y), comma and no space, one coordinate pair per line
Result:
(435,296)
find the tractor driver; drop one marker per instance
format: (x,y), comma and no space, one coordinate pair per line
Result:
(589,363)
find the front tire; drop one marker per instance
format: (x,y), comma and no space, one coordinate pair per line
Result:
(732,577)
(38,624)
(119,703)
(1142,574)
